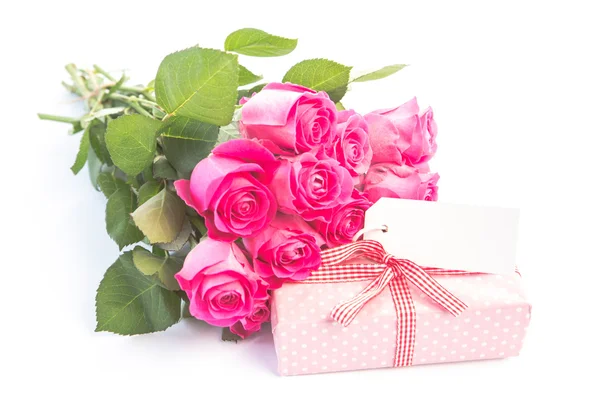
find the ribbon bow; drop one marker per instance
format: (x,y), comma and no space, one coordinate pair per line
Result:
(391,272)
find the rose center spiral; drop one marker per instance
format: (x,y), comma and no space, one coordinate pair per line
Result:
(228,301)
(319,185)
(246,205)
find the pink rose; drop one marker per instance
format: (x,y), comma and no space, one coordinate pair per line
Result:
(346,221)
(399,181)
(311,187)
(228,188)
(429,189)
(289,249)
(294,119)
(251,323)
(218,281)
(402,135)
(351,147)
(423,145)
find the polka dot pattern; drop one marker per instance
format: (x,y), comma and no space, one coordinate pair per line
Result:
(307,341)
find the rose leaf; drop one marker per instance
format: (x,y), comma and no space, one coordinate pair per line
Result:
(257,43)
(119,225)
(130,303)
(198,83)
(321,75)
(147,191)
(161,268)
(131,142)
(187,141)
(161,217)
(380,73)
(246,77)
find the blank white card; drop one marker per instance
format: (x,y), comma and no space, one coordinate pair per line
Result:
(449,236)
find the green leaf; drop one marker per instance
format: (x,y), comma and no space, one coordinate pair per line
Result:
(246,77)
(129,303)
(251,91)
(161,217)
(180,240)
(227,133)
(133,181)
(147,173)
(131,141)
(321,75)
(198,83)
(163,169)
(257,43)
(338,93)
(380,73)
(109,184)
(147,191)
(98,141)
(119,225)
(187,141)
(161,268)
(94,167)
(82,154)
(157,251)
(339,106)
(228,336)
(199,224)
(185,312)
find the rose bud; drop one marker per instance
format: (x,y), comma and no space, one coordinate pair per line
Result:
(252,322)
(399,181)
(428,190)
(402,135)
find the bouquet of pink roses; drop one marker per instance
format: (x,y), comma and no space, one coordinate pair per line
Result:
(301,178)
(232,189)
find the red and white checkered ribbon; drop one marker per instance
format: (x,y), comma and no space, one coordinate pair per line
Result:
(391,272)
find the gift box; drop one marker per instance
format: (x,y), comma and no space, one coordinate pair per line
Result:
(367,307)
(308,341)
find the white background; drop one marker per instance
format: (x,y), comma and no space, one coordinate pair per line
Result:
(515,88)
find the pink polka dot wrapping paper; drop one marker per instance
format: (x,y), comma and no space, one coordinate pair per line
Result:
(307,341)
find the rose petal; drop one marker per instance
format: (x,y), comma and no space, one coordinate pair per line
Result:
(211,220)
(282,187)
(411,107)
(389,140)
(270,107)
(392,180)
(209,174)
(296,223)
(207,253)
(221,223)
(182,187)
(250,151)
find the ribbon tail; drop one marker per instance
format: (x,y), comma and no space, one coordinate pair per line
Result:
(406,318)
(432,288)
(345,312)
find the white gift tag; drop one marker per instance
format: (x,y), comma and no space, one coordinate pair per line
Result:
(449,236)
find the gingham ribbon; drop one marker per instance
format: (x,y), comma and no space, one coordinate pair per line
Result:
(391,272)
